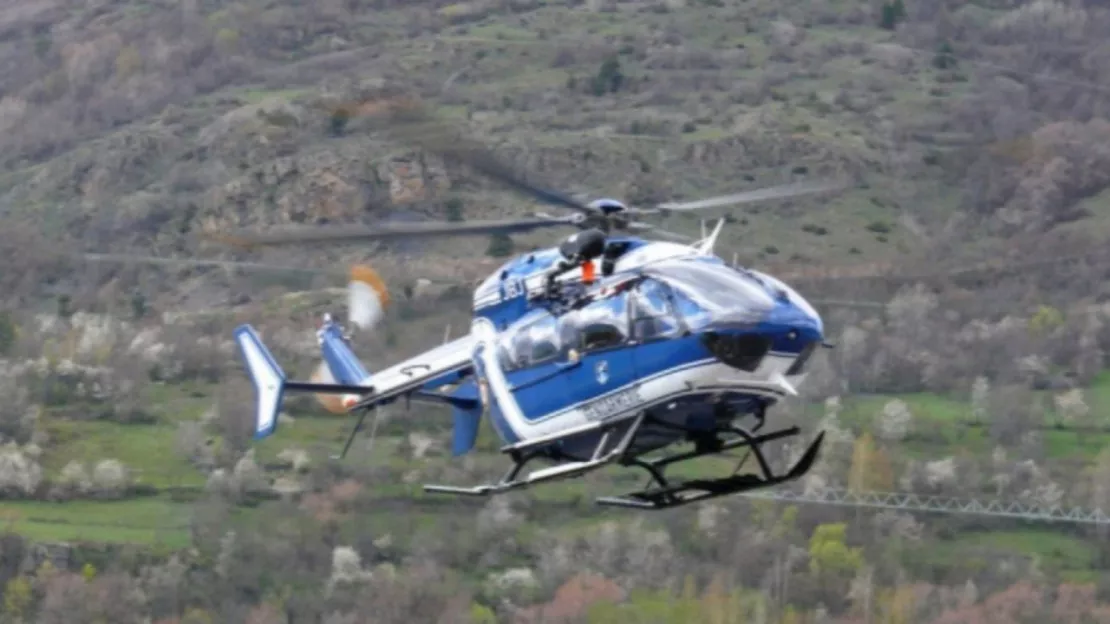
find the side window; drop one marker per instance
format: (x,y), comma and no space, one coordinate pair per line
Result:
(545,340)
(603,323)
(569,334)
(652,313)
(530,345)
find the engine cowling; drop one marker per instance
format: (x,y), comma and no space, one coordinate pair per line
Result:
(583,246)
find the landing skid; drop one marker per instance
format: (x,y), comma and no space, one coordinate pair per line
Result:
(666,495)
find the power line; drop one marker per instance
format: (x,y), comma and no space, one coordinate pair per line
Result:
(901,501)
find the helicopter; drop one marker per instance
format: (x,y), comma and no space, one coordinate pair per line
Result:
(601,350)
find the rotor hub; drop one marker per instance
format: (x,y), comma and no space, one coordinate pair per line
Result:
(608,206)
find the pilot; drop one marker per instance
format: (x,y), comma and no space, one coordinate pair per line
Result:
(522,348)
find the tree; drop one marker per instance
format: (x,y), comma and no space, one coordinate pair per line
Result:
(1100,486)
(897,605)
(500,245)
(337,123)
(17,598)
(945,58)
(609,78)
(8,332)
(829,554)
(892,13)
(871,469)
(454,209)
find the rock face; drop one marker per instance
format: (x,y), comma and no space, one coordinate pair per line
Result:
(414,178)
(321,188)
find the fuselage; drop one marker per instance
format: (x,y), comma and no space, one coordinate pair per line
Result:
(671,332)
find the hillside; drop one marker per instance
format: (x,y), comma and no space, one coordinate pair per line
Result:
(972,132)
(135,125)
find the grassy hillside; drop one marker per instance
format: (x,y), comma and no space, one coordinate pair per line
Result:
(229,116)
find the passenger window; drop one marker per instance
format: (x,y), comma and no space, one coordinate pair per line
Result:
(569,335)
(652,313)
(603,323)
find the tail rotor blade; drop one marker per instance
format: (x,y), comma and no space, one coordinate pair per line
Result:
(367,297)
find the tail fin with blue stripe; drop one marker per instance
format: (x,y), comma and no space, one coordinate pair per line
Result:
(270,383)
(267,377)
(344,365)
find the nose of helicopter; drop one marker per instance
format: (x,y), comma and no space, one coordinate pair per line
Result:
(785,328)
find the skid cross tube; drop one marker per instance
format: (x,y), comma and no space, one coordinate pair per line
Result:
(668,496)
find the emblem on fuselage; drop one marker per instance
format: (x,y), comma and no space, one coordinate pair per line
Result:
(602,371)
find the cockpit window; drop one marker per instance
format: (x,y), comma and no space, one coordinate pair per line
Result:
(714,288)
(653,315)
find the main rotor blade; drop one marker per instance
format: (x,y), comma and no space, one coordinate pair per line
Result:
(391,231)
(486,163)
(774,192)
(410,122)
(254,266)
(647,227)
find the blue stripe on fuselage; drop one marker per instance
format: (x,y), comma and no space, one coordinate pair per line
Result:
(655,359)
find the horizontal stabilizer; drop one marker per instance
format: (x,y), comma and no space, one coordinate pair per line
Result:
(267,377)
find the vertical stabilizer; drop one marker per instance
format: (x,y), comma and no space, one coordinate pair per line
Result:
(267,377)
(343,364)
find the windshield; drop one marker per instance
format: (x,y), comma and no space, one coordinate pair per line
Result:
(715,288)
(795,298)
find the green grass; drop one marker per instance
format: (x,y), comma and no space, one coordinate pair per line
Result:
(944,425)
(1068,556)
(156,521)
(147,450)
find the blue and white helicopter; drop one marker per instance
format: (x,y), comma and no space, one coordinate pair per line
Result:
(603,350)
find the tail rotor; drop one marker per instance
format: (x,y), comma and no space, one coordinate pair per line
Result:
(367,300)
(367,297)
